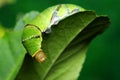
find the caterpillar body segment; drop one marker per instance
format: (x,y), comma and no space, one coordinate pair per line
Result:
(32,32)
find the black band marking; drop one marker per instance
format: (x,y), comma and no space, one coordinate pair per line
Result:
(33,26)
(58,7)
(32,37)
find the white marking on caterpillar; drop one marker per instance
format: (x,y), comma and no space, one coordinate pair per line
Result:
(71,13)
(68,10)
(75,11)
(55,19)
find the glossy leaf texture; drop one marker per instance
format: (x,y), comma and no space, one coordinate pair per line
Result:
(65,48)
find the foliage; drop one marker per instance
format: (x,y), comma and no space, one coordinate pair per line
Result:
(65,48)
(12,52)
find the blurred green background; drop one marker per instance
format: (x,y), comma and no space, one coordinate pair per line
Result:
(102,62)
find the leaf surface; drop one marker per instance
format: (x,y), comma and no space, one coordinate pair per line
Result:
(11,55)
(65,48)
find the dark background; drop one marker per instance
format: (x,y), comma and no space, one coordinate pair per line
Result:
(103,56)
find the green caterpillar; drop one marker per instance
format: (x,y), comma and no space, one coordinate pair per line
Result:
(32,32)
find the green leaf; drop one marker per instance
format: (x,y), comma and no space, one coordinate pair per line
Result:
(65,48)
(11,55)
(11,49)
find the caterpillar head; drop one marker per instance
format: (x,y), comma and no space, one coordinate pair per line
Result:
(40,56)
